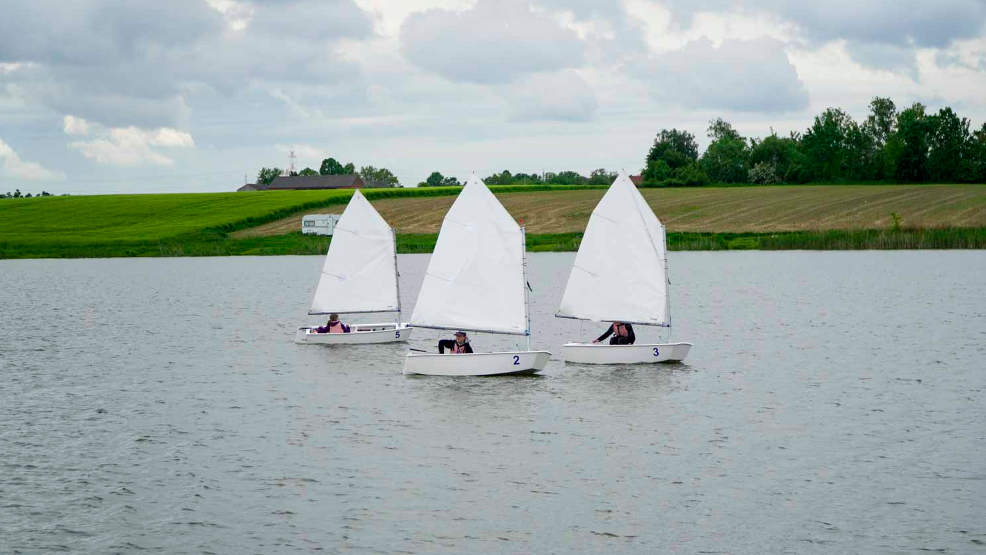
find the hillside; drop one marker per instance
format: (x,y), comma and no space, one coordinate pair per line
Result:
(711,209)
(847,216)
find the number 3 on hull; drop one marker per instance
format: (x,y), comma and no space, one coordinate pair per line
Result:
(620,274)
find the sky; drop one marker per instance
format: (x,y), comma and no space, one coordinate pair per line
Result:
(147,96)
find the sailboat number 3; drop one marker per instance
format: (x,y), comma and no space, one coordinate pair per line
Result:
(516,360)
(656,352)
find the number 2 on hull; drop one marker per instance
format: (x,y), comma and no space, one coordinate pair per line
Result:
(516,360)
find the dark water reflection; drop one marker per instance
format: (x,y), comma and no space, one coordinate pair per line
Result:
(833,402)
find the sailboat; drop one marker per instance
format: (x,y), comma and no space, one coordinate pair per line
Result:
(359,276)
(620,274)
(476,281)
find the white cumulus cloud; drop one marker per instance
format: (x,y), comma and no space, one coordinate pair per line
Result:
(14,166)
(126,146)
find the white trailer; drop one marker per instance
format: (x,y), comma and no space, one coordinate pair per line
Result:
(319,224)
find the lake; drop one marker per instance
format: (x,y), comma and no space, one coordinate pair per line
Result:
(833,402)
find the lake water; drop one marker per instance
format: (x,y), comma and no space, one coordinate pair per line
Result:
(833,402)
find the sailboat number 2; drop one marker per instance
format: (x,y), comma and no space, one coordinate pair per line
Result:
(656,352)
(516,360)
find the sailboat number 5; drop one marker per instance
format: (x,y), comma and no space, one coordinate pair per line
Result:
(516,360)
(656,352)
(397,334)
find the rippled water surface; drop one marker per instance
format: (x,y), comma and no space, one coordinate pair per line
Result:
(833,402)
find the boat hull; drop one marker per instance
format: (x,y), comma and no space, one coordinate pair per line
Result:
(361,334)
(646,353)
(476,364)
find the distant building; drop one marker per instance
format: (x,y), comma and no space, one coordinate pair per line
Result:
(311,182)
(637,179)
(300,182)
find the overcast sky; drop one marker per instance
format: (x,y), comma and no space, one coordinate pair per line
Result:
(190,95)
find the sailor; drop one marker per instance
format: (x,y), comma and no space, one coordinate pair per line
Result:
(457,346)
(333,325)
(622,334)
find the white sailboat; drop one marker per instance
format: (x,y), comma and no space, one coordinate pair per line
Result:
(359,276)
(620,274)
(476,281)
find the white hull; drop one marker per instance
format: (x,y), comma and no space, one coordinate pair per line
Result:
(646,353)
(361,334)
(476,364)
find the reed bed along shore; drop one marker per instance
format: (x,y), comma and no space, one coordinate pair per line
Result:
(298,244)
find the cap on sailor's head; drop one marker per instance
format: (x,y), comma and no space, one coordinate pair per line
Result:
(462,333)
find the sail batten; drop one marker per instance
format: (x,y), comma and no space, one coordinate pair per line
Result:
(474,279)
(619,273)
(359,274)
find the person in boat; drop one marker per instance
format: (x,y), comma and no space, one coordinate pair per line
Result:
(455,346)
(333,326)
(622,334)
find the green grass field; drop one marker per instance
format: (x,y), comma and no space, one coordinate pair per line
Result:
(809,217)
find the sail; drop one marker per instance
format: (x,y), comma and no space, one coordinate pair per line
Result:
(475,279)
(619,272)
(359,274)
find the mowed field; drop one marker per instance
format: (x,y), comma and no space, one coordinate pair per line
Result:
(150,217)
(709,209)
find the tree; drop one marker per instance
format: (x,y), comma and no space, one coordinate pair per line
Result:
(308,171)
(266,175)
(676,148)
(526,179)
(436,179)
(567,177)
(727,159)
(948,156)
(502,178)
(349,169)
(380,175)
(977,155)
(824,144)
(330,166)
(721,129)
(880,125)
(601,177)
(909,144)
(783,154)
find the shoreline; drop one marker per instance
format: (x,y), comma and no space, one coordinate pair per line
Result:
(218,244)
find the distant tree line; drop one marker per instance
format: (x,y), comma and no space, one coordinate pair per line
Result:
(597,177)
(907,146)
(331,166)
(17,194)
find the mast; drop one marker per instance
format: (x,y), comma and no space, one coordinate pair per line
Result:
(527,302)
(667,280)
(397,275)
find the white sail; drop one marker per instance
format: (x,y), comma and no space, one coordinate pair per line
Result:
(619,272)
(475,279)
(360,273)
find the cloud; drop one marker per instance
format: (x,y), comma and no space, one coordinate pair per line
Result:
(740,75)
(126,146)
(559,96)
(14,166)
(494,42)
(881,34)
(75,126)
(141,62)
